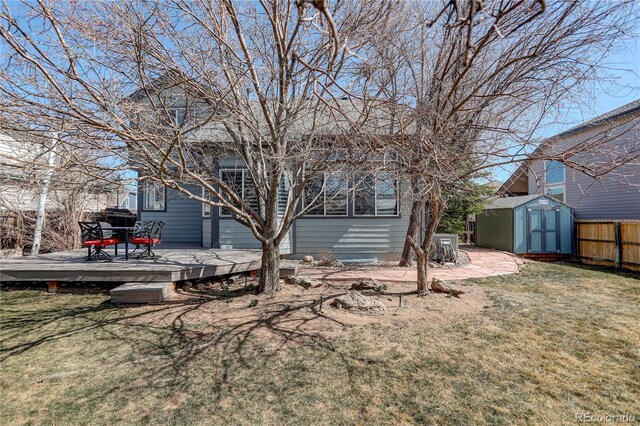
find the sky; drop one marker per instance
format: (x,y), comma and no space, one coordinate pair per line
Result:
(624,67)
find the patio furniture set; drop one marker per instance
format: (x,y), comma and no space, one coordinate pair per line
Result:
(97,236)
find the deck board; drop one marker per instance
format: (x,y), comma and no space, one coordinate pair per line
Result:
(171,265)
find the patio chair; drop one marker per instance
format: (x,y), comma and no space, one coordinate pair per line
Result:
(95,237)
(147,235)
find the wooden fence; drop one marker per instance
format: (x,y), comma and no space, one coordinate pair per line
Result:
(609,243)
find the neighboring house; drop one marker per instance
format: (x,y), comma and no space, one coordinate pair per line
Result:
(124,198)
(616,195)
(22,166)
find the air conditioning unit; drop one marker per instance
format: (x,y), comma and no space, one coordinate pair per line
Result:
(445,248)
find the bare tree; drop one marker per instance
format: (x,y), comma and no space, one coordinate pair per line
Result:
(49,193)
(171,89)
(478,79)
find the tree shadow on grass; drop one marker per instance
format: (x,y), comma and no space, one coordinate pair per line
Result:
(165,349)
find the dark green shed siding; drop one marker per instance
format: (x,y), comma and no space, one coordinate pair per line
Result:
(494,229)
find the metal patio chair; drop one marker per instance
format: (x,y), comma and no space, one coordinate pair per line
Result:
(145,236)
(96,236)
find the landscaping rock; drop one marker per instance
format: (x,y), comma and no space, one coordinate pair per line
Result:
(355,301)
(307,259)
(200,286)
(307,283)
(366,284)
(441,286)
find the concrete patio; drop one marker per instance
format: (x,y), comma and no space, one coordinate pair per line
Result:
(484,263)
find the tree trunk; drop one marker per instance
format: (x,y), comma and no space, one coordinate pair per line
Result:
(436,208)
(412,232)
(270,269)
(42,202)
(422,264)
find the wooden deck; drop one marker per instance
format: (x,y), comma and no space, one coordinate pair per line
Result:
(172,265)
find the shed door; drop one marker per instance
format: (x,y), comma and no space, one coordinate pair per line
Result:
(544,230)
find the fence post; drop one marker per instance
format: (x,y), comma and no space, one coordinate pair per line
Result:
(618,244)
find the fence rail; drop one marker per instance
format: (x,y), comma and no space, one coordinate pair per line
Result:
(609,243)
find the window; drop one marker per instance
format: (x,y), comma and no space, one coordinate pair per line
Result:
(241,182)
(375,195)
(180,115)
(326,195)
(554,180)
(155,195)
(557,193)
(554,172)
(206,208)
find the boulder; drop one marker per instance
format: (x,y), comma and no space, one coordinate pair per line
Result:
(366,284)
(441,286)
(307,283)
(307,259)
(355,301)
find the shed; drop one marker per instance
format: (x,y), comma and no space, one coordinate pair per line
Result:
(530,224)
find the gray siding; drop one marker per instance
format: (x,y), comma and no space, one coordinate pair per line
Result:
(591,199)
(206,233)
(238,236)
(183,222)
(351,238)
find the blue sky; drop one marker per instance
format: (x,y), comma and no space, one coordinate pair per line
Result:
(600,97)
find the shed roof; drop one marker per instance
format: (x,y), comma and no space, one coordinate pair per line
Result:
(513,202)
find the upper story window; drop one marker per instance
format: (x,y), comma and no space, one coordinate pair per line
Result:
(375,195)
(154,196)
(554,180)
(554,172)
(326,195)
(180,115)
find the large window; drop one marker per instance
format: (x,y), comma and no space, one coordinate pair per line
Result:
(241,182)
(155,195)
(375,195)
(555,180)
(326,195)
(554,172)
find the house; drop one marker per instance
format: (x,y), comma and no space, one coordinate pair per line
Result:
(124,198)
(616,195)
(23,164)
(366,224)
(359,218)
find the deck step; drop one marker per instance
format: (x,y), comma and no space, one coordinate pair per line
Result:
(138,292)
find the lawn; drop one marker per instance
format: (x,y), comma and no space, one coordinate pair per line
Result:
(532,348)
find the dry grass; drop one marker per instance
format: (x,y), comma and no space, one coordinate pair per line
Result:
(545,344)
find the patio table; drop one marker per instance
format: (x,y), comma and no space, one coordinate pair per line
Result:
(126,230)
